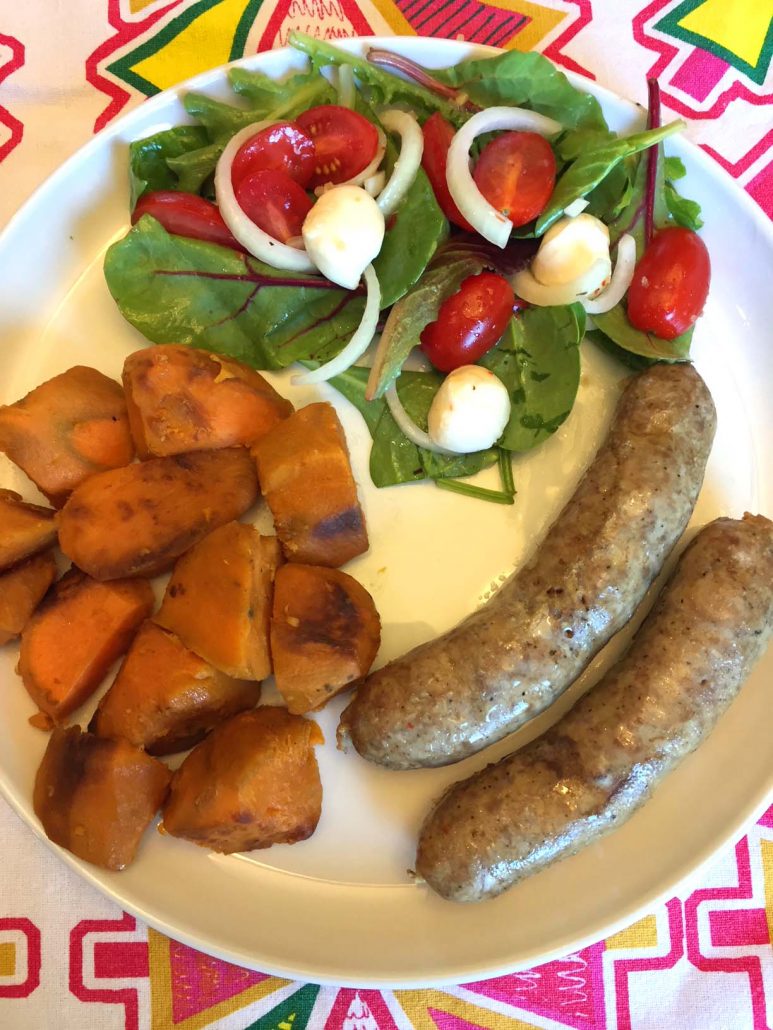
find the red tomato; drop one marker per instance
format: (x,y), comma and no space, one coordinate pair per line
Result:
(282,147)
(438,134)
(185,214)
(469,322)
(344,142)
(274,202)
(516,173)
(670,284)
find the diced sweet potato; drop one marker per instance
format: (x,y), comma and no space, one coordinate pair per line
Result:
(25,528)
(21,590)
(66,430)
(165,698)
(184,399)
(325,632)
(218,600)
(96,797)
(252,783)
(75,636)
(136,520)
(306,477)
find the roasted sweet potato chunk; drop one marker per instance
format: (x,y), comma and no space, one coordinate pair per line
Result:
(136,520)
(306,478)
(252,783)
(66,430)
(218,600)
(325,632)
(96,797)
(184,399)
(21,591)
(78,632)
(25,528)
(165,698)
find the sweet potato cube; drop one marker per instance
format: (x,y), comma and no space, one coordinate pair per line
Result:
(21,590)
(325,632)
(218,600)
(75,636)
(66,430)
(96,797)
(25,528)
(184,399)
(252,783)
(306,478)
(165,698)
(136,520)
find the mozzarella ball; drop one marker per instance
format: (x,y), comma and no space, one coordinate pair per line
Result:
(470,410)
(575,252)
(343,233)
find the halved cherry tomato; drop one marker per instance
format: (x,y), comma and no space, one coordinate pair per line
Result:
(469,322)
(344,142)
(438,134)
(670,283)
(283,147)
(274,202)
(516,173)
(186,214)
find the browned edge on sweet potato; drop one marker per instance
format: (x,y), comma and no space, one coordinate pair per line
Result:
(25,529)
(22,588)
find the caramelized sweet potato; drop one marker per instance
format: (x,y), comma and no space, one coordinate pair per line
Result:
(218,600)
(21,590)
(252,783)
(306,478)
(75,636)
(136,520)
(66,430)
(325,632)
(96,797)
(184,399)
(25,528)
(165,698)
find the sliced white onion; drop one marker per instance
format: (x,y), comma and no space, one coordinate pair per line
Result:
(482,216)
(532,290)
(375,184)
(408,162)
(251,236)
(407,426)
(346,90)
(372,167)
(359,342)
(576,207)
(621,278)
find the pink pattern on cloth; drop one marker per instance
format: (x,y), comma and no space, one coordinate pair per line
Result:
(11,122)
(625,966)
(699,74)
(195,976)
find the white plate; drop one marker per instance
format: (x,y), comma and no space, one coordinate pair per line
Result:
(341,908)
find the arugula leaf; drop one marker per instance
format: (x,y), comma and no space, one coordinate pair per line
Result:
(149,159)
(684,212)
(615,325)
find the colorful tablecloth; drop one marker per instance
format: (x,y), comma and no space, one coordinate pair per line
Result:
(71,959)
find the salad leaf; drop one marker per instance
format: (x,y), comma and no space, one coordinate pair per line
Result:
(149,159)
(633,361)
(195,167)
(615,325)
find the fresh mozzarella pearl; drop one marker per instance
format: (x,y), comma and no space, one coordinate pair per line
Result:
(470,410)
(574,252)
(343,233)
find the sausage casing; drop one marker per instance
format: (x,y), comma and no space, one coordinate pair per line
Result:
(512,658)
(602,760)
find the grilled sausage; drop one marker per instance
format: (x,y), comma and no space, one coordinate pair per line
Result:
(512,658)
(602,760)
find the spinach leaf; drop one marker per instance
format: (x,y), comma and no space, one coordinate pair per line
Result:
(195,167)
(632,361)
(615,325)
(149,159)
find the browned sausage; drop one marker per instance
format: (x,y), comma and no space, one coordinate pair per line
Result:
(603,759)
(512,658)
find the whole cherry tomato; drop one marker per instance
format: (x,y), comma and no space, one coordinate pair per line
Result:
(274,202)
(186,214)
(344,142)
(283,147)
(516,173)
(670,283)
(469,322)
(438,134)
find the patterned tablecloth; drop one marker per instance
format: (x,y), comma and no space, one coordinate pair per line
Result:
(68,957)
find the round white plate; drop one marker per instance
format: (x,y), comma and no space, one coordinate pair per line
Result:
(341,908)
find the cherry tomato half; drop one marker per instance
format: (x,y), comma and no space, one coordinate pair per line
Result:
(670,283)
(274,202)
(469,322)
(344,142)
(186,214)
(283,147)
(438,134)
(516,173)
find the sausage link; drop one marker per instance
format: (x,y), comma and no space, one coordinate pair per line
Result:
(512,658)
(602,760)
